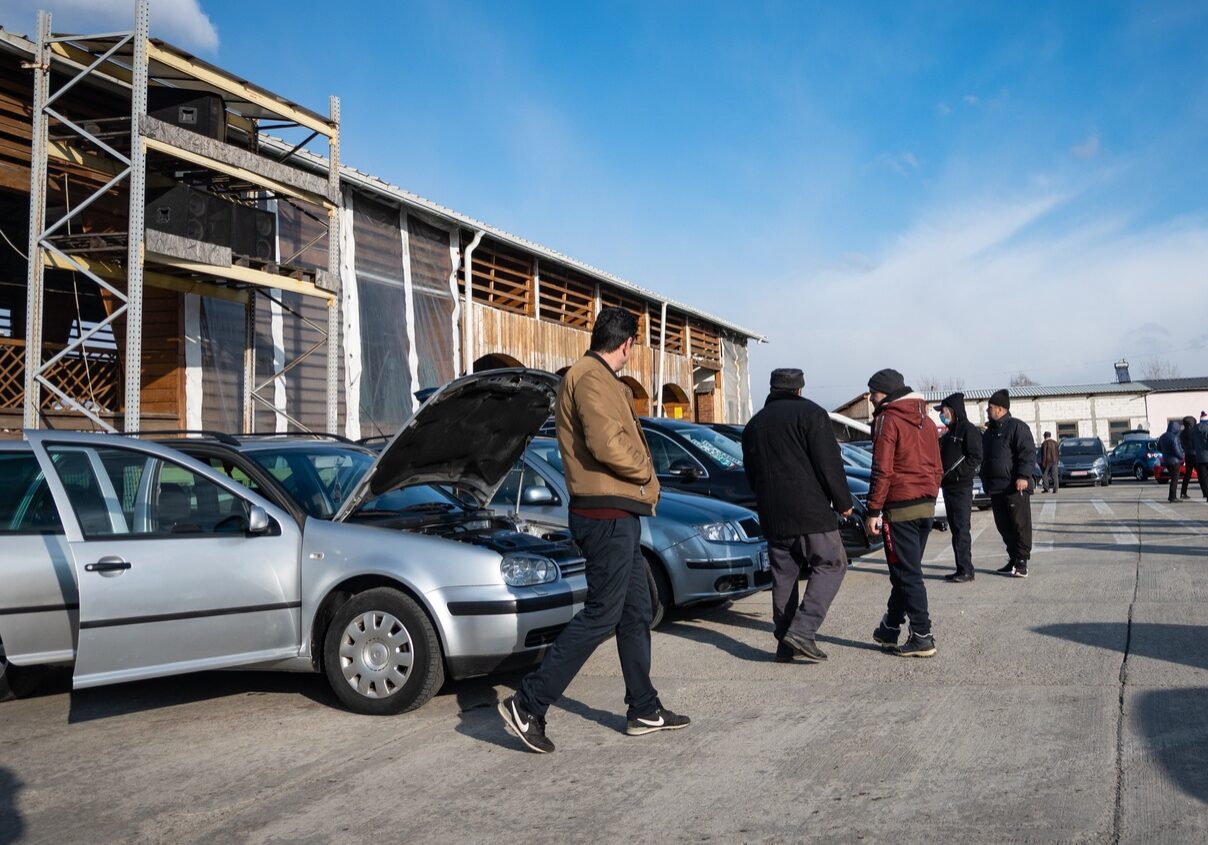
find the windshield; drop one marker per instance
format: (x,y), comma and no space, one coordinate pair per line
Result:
(318,478)
(855,456)
(717,446)
(548,451)
(1081,448)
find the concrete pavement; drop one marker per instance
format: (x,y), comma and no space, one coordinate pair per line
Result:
(1070,707)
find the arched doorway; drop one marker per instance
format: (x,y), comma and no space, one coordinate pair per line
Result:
(676,404)
(495,361)
(641,399)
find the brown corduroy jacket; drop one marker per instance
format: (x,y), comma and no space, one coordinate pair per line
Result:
(604,453)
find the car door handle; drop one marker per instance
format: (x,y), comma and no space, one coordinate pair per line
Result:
(108,564)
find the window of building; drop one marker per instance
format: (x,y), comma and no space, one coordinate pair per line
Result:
(1116,429)
(1066,429)
(6,322)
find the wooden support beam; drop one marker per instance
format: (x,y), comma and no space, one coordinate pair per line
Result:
(236,273)
(159,280)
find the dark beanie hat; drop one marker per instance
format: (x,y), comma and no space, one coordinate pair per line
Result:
(886,381)
(787,379)
(1001,398)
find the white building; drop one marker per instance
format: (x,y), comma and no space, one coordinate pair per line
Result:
(1080,410)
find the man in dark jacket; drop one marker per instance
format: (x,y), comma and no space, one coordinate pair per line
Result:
(1008,455)
(1171,447)
(792,461)
(1201,452)
(906,472)
(1187,438)
(961,454)
(1050,459)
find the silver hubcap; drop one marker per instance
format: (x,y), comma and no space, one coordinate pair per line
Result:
(376,654)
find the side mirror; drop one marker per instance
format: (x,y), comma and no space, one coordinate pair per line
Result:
(684,469)
(536,495)
(258,520)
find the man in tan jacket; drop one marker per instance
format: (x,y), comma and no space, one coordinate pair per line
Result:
(611,481)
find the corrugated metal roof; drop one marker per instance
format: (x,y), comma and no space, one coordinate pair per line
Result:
(1038,391)
(1171,385)
(378,186)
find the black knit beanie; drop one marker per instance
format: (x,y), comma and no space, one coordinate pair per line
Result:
(1001,398)
(886,381)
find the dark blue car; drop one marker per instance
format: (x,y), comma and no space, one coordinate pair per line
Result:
(1136,457)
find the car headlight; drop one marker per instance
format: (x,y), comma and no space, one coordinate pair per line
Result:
(527,570)
(719,532)
(1100,463)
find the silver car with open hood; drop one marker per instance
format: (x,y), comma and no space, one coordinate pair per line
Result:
(131,559)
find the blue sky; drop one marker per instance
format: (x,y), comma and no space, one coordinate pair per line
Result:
(960,191)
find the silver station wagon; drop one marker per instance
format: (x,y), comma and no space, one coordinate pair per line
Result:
(130,559)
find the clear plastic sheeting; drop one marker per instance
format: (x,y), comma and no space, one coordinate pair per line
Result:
(431,265)
(221,341)
(386,401)
(736,381)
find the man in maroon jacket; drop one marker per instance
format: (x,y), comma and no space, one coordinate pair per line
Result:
(906,473)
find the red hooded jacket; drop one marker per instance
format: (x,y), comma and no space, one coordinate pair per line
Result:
(906,465)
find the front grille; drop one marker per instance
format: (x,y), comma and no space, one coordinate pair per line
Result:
(572,566)
(542,636)
(751,527)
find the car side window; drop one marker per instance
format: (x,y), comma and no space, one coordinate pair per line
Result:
(233,472)
(509,491)
(664,452)
(118,492)
(26,505)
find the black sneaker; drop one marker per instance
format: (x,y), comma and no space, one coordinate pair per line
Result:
(958,577)
(1008,569)
(886,635)
(523,724)
(1020,570)
(661,719)
(785,653)
(806,648)
(917,646)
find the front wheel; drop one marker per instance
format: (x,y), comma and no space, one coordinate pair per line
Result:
(381,654)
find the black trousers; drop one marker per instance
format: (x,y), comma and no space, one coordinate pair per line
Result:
(1201,472)
(958,502)
(905,543)
(618,599)
(1174,480)
(1188,466)
(1013,519)
(819,557)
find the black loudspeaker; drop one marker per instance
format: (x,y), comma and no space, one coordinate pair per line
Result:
(181,210)
(197,111)
(253,233)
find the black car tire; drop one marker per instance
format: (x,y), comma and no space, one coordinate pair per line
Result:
(661,599)
(427,671)
(1139,472)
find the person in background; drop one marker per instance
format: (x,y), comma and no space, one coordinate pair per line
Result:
(906,472)
(1170,445)
(1008,455)
(961,454)
(1050,457)
(792,460)
(1187,439)
(1201,453)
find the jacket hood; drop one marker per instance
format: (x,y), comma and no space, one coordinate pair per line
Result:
(467,434)
(911,407)
(956,402)
(1174,427)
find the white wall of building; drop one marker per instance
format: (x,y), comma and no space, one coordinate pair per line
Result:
(1163,407)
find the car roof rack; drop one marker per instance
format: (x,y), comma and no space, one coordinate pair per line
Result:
(220,436)
(317,435)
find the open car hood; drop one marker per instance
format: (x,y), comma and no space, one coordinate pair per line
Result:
(468,434)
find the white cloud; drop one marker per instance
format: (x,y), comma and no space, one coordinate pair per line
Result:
(181,22)
(902,162)
(971,99)
(1088,148)
(944,109)
(982,291)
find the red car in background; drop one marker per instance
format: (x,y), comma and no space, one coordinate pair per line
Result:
(1159,473)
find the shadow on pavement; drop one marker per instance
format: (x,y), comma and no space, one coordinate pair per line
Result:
(139,696)
(477,717)
(1173,724)
(12,826)
(1183,644)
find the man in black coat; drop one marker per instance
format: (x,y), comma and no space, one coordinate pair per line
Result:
(792,460)
(961,454)
(1008,455)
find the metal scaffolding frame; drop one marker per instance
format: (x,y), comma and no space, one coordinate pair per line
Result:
(123,60)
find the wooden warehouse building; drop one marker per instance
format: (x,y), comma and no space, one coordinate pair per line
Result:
(274,288)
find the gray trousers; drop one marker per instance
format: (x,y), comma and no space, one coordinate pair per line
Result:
(820,558)
(1049,477)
